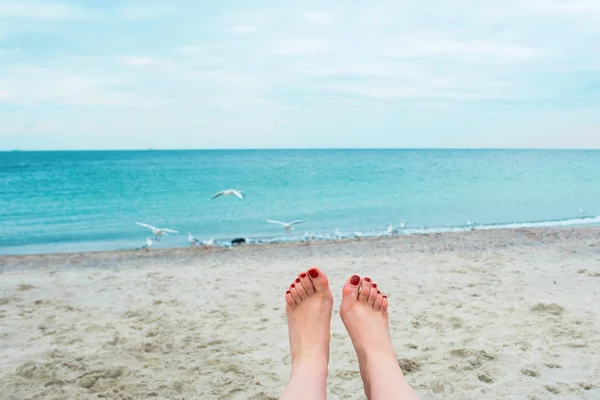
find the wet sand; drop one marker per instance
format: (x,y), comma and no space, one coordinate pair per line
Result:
(484,314)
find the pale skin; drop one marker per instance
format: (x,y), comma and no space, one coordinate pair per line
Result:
(309,306)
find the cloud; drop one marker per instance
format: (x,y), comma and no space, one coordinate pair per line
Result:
(40,10)
(3,94)
(136,61)
(300,46)
(242,30)
(318,18)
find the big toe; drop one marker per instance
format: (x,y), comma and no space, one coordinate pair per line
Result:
(350,290)
(318,279)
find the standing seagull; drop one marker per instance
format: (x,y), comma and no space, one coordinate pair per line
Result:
(289,227)
(229,192)
(147,246)
(192,240)
(158,232)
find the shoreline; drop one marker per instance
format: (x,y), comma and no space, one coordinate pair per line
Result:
(467,241)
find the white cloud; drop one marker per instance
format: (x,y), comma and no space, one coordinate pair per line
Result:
(30,86)
(318,18)
(40,10)
(242,30)
(3,94)
(300,46)
(136,61)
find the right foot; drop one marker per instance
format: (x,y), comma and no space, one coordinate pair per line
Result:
(308,307)
(365,316)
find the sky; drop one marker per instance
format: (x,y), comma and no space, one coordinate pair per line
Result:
(139,74)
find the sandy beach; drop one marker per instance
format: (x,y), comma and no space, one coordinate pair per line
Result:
(493,314)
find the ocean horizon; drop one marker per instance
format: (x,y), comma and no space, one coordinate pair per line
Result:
(72,200)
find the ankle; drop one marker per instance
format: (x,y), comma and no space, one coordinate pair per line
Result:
(317,362)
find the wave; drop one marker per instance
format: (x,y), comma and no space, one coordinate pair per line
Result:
(582,221)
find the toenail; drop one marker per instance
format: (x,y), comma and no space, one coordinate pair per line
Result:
(368,279)
(292,285)
(302,275)
(378,292)
(384,296)
(297,280)
(355,280)
(288,292)
(313,273)
(374,286)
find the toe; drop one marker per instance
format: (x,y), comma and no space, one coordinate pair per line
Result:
(384,303)
(300,289)
(318,279)
(350,290)
(378,301)
(372,294)
(290,300)
(365,288)
(306,283)
(295,294)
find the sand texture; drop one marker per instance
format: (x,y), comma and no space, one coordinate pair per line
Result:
(511,314)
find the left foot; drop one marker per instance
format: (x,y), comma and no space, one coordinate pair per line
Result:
(308,307)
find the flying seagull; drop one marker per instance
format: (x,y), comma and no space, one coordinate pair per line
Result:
(157,232)
(289,226)
(229,192)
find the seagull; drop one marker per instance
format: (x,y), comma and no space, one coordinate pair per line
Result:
(157,232)
(147,246)
(289,226)
(229,192)
(192,240)
(337,234)
(390,230)
(208,243)
(358,235)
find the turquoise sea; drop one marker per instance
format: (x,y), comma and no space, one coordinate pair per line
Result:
(81,201)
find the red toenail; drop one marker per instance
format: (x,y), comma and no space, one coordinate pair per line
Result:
(297,280)
(368,279)
(384,296)
(374,286)
(302,275)
(293,285)
(378,292)
(313,273)
(288,292)
(354,280)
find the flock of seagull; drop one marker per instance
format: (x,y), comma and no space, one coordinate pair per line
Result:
(207,244)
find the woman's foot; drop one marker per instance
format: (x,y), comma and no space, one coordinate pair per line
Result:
(308,307)
(365,316)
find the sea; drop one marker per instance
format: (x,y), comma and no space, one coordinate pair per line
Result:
(90,200)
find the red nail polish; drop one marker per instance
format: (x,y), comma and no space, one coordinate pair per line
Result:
(378,292)
(368,279)
(355,280)
(302,275)
(292,286)
(313,273)
(374,286)
(384,296)
(288,292)
(297,280)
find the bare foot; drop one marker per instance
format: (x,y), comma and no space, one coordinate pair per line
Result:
(308,307)
(365,316)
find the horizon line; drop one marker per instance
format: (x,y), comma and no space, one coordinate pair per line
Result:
(305,149)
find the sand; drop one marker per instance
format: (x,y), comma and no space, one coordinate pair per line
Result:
(512,314)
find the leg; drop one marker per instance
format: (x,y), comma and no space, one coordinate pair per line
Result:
(308,308)
(365,317)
